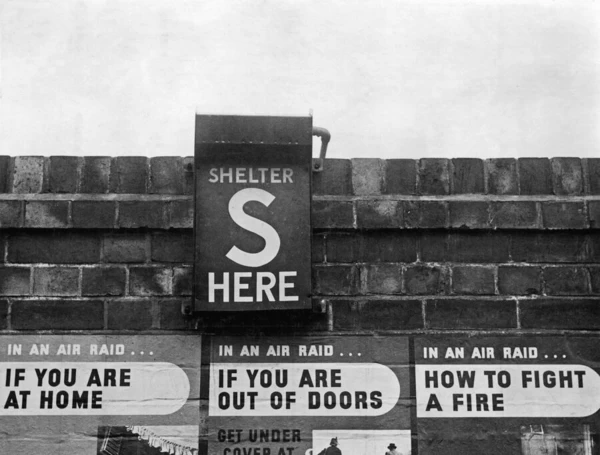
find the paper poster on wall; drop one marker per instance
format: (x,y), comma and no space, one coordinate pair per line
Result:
(508,395)
(309,396)
(98,394)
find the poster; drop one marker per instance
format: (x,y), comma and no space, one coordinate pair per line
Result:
(99,394)
(508,395)
(300,396)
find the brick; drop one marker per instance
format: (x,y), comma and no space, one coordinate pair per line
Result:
(595,279)
(469,214)
(593,246)
(560,313)
(549,247)
(426,214)
(502,176)
(473,280)
(566,280)
(109,281)
(464,246)
(401,177)
(519,280)
(125,248)
(93,214)
(367,176)
(173,246)
(137,214)
(130,314)
(377,315)
(14,280)
(28,174)
(11,214)
(383,279)
(593,168)
(434,177)
(47,214)
(181,214)
(535,176)
(424,280)
(385,246)
(564,215)
(95,174)
(514,215)
(593,213)
(3,247)
(336,178)
(171,317)
(60,247)
(150,281)
(5,166)
(57,315)
(379,214)
(182,280)
(471,314)
(335,280)
(261,323)
(467,176)
(318,248)
(3,314)
(128,174)
(567,176)
(63,174)
(188,175)
(332,214)
(166,175)
(56,281)
(342,247)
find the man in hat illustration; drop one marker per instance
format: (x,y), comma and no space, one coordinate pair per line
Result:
(332,449)
(392,450)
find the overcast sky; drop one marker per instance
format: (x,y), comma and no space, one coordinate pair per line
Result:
(389,79)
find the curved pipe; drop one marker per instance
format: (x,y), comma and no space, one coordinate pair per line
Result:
(325,136)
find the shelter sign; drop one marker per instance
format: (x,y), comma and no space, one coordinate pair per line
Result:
(292,396)
(252,220)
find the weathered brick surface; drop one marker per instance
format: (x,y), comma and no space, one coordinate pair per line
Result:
(550,247)
(56,281)
(181,214)
(467,176)
(564,215)
(426,214)
(382,246)
(434,177)
(469,214)
(566,280)
(401,177)
(367,175)
(567,176)
(502,176)
(377,315)
(332,214)
(166,175)
(464,246)
(95,174)
(150,281)
(47,214)
(474,280)
(130,314)
(93,214)
(594,214)
(519,280)
(182,280)
(63,174)
(173,246)
(58,247)
(28,174)
(14,280)
(3,314)
(560,313)
(379,214)
(142,214)
(471,314)
(593,167)
(125,247)
(383,279)
(535,176)
(108,281)
(336,178)
(424,279)
(317,246)
(5,180)
(78,314)
(128,174)
(11,214)
(335,280)
(515,215)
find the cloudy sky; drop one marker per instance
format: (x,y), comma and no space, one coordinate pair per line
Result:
(480,78)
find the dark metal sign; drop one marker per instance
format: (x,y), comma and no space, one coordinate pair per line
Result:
(252,221)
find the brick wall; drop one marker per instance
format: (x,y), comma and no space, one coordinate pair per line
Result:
(99,243)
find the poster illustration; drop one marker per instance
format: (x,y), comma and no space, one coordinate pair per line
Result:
(99,394)
(508,395)
(309,396)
